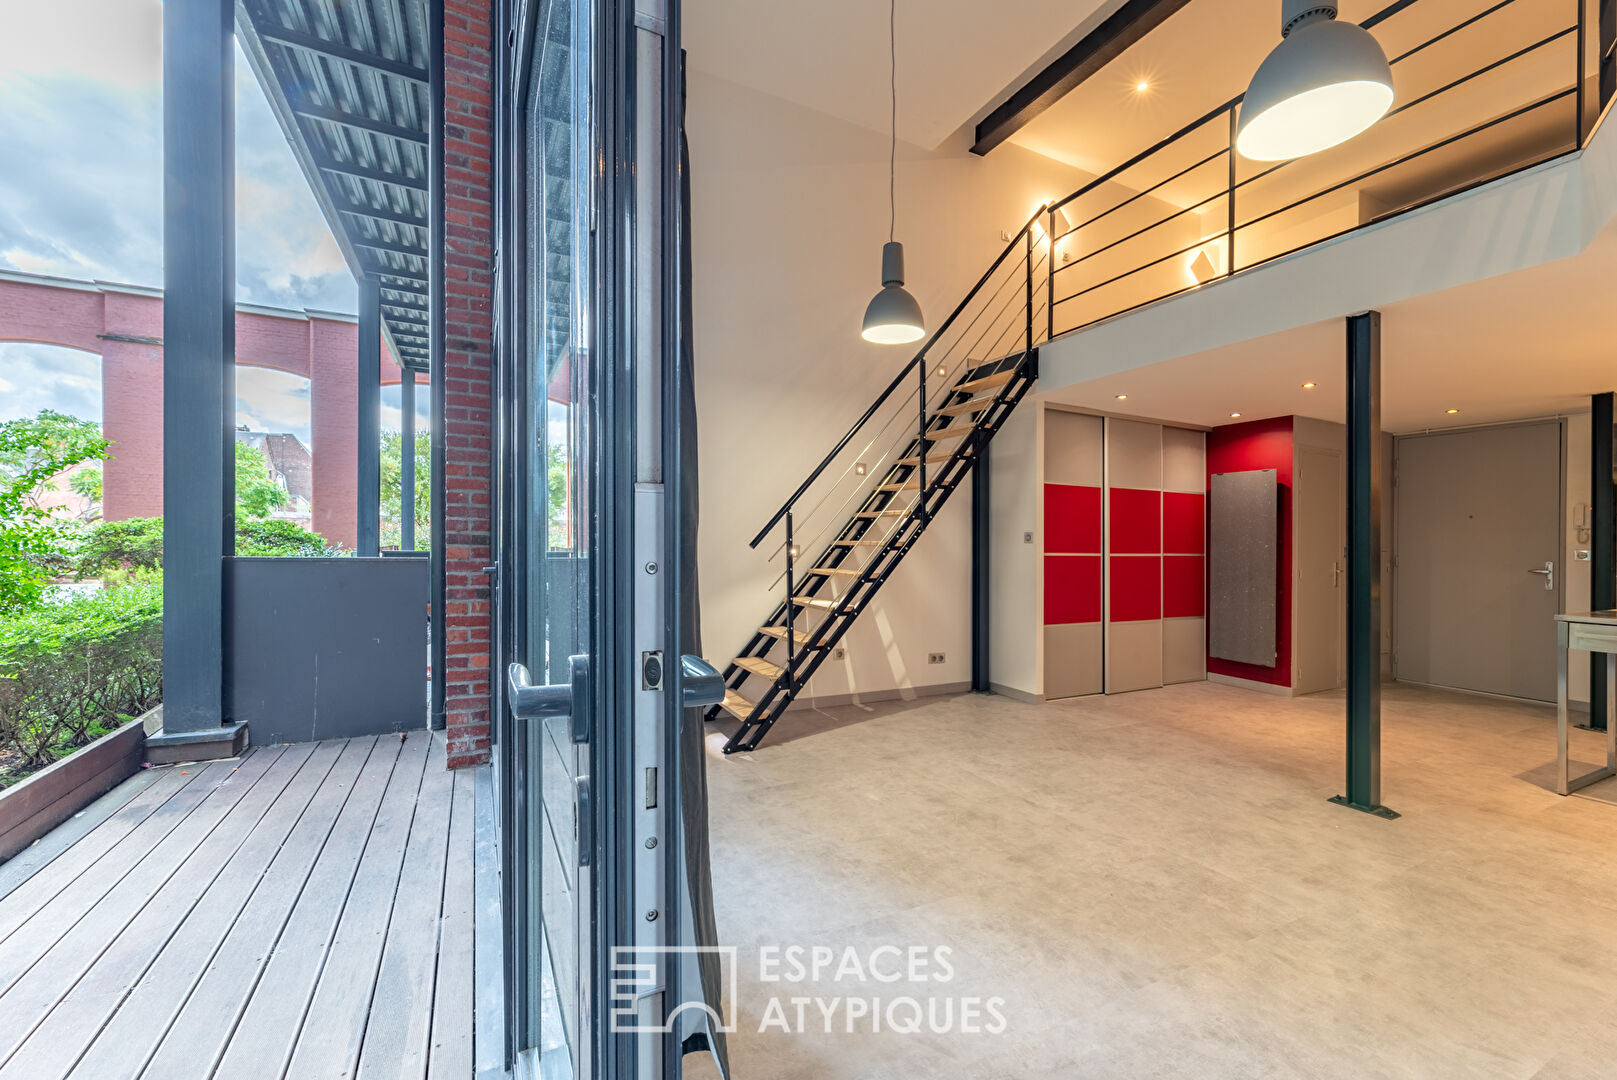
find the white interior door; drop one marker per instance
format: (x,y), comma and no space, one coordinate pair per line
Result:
(1478,554)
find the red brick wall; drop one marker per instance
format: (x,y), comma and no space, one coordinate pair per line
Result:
(468,363)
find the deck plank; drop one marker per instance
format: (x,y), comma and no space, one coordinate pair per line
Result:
(36,856)
(185,921)
(279,1016)
(143,858)
(42,886)
(452,1013)
(153,897)
(394,1038)
(191,1043)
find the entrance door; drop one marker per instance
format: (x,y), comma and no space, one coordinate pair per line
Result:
(1477,559)
(1319,566)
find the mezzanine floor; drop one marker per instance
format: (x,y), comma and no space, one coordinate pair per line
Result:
(1156,887)
(302,911)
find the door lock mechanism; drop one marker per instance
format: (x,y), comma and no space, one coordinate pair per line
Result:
(1549,576)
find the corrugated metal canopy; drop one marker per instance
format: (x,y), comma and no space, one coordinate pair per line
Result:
(348,81)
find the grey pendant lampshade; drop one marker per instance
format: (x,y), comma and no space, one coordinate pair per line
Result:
(893,317)
(1325,82)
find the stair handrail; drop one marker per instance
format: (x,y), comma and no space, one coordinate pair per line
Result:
(899,379)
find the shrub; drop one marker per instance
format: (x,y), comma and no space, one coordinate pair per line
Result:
(33,451)
(137,544)
(70,671)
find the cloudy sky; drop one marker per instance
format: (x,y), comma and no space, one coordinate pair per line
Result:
(81,149)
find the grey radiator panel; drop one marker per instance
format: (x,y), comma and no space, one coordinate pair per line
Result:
(1242,553)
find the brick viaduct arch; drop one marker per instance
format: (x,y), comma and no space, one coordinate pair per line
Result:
(124,325)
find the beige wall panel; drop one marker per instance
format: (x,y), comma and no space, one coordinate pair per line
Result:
(1184,650)
(1184,460)
(1133,656)
(1072,660)
(1133,455)
(1072,448)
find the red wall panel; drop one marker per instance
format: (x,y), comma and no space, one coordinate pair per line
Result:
(1184,586)
(1184,523)
(1136,525)
(1261,444)
(1136,587)
(1072,519)
(1071,589)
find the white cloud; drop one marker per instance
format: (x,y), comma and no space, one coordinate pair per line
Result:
(49,377)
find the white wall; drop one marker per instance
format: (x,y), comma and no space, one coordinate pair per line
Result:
(789,212)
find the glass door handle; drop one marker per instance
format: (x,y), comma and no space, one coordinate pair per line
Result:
(703,685)
(529,702)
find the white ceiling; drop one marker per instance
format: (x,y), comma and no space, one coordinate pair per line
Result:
(955,57)
(1533,343)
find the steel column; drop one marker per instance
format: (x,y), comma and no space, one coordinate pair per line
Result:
(980,676)
(1602,539)
(368,401)
(1364,565)
(199,336)
(407,460)
(435,353)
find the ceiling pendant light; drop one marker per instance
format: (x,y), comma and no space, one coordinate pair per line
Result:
(1325,82)
(893,317)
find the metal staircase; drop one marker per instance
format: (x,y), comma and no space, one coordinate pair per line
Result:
(868,515)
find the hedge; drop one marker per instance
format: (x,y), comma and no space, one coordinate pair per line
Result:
(70,671)
(137,544)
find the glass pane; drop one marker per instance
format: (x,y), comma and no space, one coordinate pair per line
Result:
(557,516)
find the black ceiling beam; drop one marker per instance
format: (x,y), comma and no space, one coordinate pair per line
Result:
(312,110)
(325,161)
(383,213)
(270,30)
(1121,29)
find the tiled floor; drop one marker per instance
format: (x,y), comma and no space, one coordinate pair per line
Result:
(1155,886)
(303,911)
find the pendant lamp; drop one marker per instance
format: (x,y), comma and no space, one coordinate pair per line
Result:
(893,317)
(1326,82)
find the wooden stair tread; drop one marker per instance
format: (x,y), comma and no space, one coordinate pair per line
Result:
(848,571)
(935,458)
(952,432)
(736,705)
(971,386)
(778,632)
(880,513)
(814,601)
(759,666)
(974,405)
(857,543)
(908,485)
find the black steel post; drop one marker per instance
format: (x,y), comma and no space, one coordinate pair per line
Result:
(791,606)
(1229,227)
(1027,251)
(368,430)
(407,460)
(1364,565)
(1607,69)
(199,363)
(980,680)
(435,350)
(1602,539)
(920,494)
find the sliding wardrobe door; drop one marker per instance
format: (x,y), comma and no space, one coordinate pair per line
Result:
(1184,555)
(1133,556)
(1072,554)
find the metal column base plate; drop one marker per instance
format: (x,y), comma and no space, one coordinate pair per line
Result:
(1378,811)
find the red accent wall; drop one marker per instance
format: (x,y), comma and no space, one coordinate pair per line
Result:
(1261,444)
(468,353)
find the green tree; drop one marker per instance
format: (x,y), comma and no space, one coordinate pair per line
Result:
(86,484)
(556,481)
(33,450)
(393,484)
(257,493)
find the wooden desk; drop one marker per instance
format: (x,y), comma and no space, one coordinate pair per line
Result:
(1593,632)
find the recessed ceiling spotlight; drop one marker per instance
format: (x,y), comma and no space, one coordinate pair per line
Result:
(1453,411)
(1122,397)
(1142,86)
(1234,415)
(942,371)
(859,469)
(1308,386)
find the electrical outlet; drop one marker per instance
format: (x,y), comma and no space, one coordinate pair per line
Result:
(838,653)
(934,658)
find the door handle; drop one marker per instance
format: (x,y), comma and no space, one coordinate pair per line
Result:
(703,685)
(572,698)
(1549,576)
